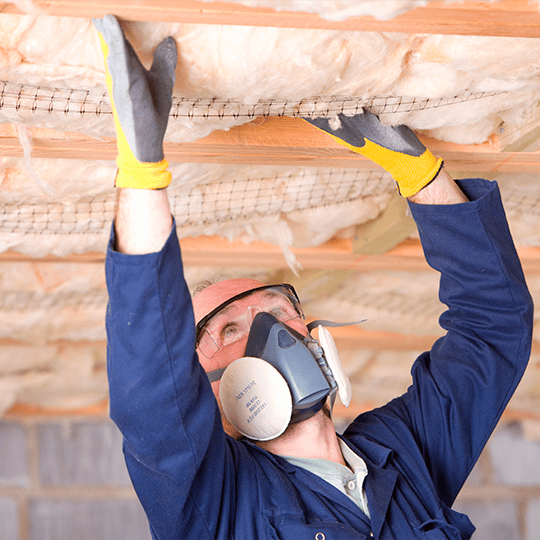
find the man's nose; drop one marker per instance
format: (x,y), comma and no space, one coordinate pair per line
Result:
(252,311)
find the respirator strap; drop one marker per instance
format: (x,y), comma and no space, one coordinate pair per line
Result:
(330,324)
(215,375)
(332,399)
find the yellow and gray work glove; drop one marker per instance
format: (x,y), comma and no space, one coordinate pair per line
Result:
(141,100)
(395,148)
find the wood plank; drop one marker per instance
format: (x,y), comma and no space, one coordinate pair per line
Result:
(20,411)
(347,337)
(354,337)
(23,410)
(79,258)
(357,406)
(287,141)
(217,251)
(508,18)
(336,254)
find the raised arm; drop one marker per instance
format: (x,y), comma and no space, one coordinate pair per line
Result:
(461,387)
(141,100)
(160,397)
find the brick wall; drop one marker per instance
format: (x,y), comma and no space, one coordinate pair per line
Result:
(502,495)
(65,479)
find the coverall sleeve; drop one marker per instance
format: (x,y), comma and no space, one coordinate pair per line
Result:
(176,451)
(461,388)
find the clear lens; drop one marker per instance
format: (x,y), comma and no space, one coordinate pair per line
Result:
(233,321)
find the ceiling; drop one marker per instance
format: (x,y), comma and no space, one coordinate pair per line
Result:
(256,190)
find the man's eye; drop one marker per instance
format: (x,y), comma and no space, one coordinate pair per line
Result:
(282,313)
(228,333)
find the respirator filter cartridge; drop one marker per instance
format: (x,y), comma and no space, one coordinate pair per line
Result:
(256,398)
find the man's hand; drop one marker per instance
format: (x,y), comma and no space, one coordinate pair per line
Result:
(395,148)
(141,100)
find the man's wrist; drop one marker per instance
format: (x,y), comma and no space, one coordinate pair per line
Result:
(442,190)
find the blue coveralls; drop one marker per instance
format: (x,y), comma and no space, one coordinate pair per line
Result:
(195,482)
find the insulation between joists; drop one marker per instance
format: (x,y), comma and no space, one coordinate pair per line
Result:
(460,89)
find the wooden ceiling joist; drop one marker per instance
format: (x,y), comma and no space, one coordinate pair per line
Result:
(287,141)
(507,18)
(347,336)
(336,254)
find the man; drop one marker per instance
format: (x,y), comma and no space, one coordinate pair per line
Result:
(397,470)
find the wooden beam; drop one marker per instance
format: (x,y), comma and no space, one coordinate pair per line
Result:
(357,406)
(287,141)
(79,258)
(508,18)
(20,411)
(354,337)
(217,251)
(336,254)
(24,410)
(347,336)
(333,255)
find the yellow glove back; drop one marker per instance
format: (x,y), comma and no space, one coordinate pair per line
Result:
(395,148)
(141,100)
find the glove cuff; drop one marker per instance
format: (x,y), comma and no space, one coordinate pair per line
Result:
(412,173)
(415,173)
(142,175)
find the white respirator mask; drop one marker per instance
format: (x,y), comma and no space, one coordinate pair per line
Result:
(283,378)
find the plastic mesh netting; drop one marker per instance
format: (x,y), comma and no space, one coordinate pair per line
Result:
(204,204)
(523,201)
(24,97)
(18,301)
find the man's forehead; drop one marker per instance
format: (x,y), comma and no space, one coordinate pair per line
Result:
(214,295)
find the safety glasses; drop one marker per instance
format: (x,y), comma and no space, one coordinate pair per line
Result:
(231,320)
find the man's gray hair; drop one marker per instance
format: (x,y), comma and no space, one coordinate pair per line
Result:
(206,283)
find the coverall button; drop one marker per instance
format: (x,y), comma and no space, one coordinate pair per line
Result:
(320,536)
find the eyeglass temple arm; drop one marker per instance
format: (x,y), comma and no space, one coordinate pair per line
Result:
(330,324)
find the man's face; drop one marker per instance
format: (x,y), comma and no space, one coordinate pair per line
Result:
(226,333)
